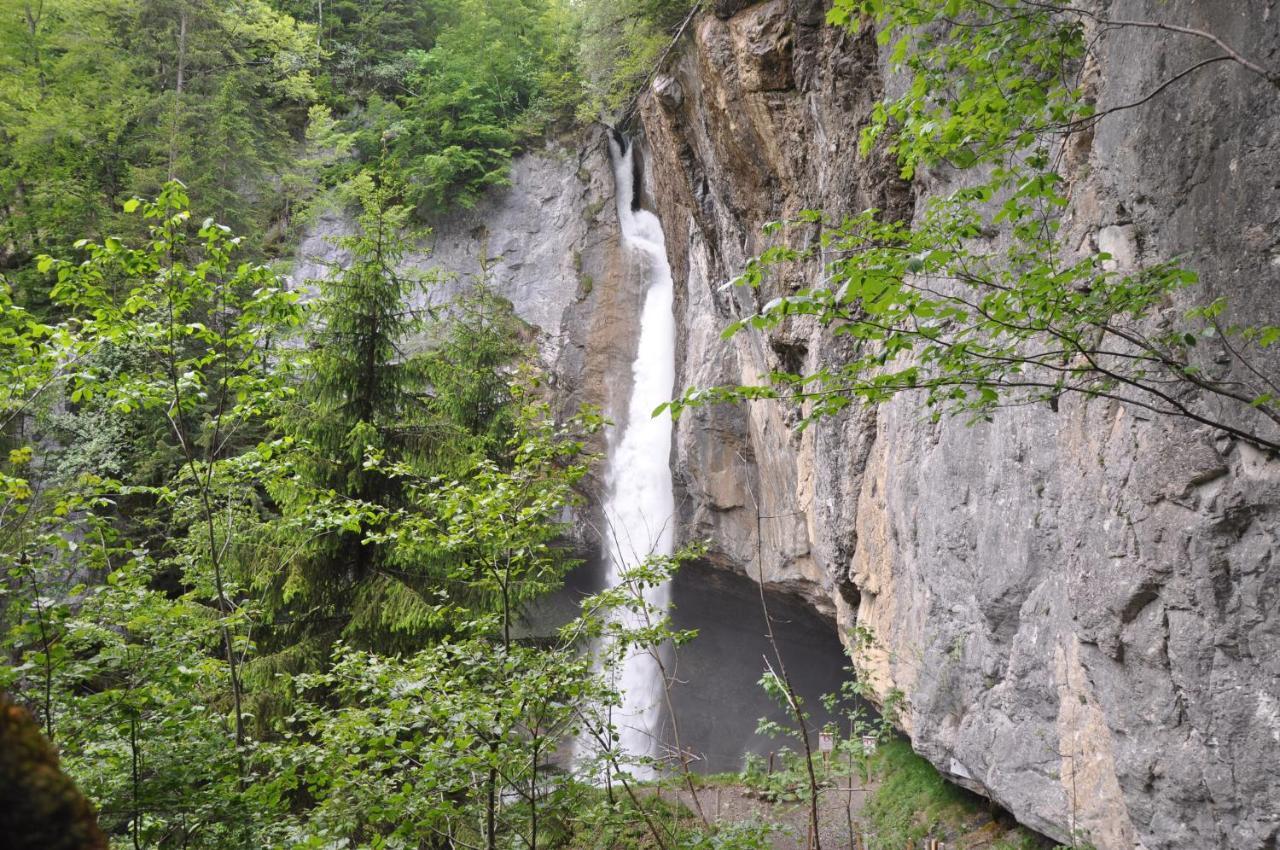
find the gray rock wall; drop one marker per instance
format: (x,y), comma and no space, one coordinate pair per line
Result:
(1080,607)
(548,243)
(543,243)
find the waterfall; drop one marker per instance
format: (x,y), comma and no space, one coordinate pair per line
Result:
(640,507)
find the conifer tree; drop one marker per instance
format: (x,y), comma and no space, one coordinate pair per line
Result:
(388,382)
(357,397)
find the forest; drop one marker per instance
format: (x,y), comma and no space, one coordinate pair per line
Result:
(268,548)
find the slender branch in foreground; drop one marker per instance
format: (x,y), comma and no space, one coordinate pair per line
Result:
(781,677)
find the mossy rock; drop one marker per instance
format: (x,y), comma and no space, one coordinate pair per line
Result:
(40,807)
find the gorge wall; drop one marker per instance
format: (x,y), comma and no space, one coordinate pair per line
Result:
(1081,607)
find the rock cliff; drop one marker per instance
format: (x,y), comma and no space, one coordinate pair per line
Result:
(549,244)
(1080,607)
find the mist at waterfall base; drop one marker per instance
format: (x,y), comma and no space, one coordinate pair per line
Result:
(717,696)
(715,692)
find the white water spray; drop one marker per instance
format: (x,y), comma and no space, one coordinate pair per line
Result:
(640,509)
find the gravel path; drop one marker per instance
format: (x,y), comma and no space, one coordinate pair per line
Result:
(738,804)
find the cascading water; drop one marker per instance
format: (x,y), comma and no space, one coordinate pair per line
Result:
(719,702)
(640,506)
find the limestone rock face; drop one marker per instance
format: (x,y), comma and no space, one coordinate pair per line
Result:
(767,128)
(1081,607)
(549,244)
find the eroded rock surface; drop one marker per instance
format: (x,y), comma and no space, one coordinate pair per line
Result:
(1080,606)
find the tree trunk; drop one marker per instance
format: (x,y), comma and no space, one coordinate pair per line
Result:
(179,82)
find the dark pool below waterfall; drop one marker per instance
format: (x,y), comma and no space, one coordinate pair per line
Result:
(718,699)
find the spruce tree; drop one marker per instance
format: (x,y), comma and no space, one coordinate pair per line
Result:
(388,384)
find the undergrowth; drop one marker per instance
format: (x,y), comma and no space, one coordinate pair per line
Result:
(912,801)
(608,824)
(619,825)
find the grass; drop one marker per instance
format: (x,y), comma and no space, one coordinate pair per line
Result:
(912,801)
(706,780)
